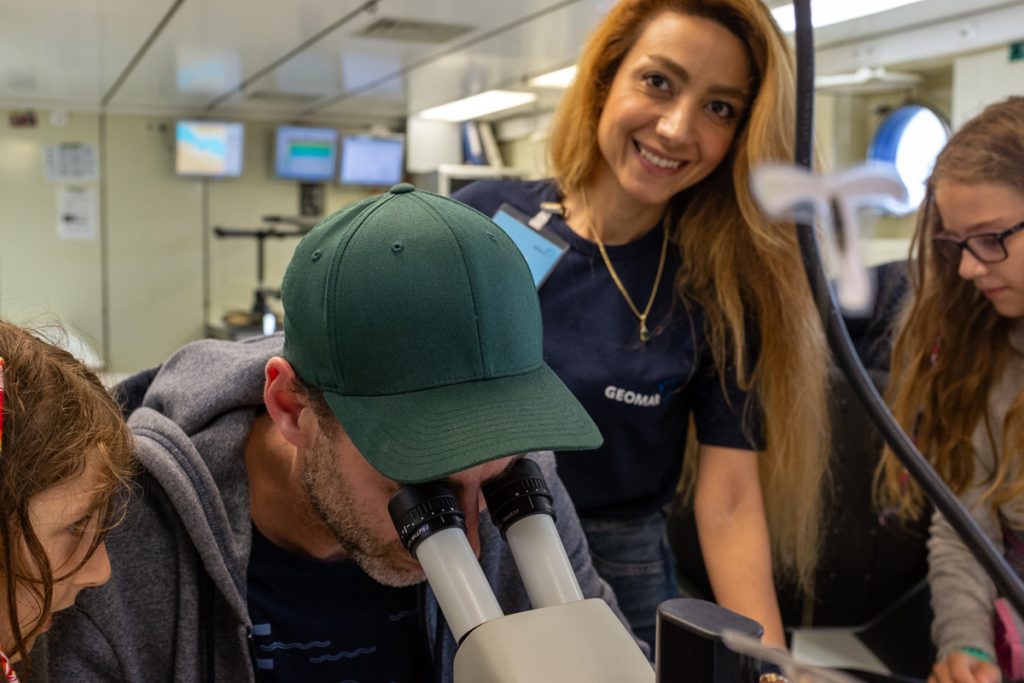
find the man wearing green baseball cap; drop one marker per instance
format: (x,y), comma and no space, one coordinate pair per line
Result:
(260,546)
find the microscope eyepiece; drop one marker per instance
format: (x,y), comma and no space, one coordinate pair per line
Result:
(522,508)
(520,492)
(431,526)
(421,510)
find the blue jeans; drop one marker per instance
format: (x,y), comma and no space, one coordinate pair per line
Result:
(633,556)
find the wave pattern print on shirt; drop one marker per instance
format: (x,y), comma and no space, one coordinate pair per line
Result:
(342,655)
(405,614)
(295,646)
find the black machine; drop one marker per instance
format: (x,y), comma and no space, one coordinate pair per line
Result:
(261,318)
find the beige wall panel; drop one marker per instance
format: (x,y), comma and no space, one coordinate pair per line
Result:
(154,223)
(984,78)
(42,277)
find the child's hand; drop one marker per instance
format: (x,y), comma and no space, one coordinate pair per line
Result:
(960,667)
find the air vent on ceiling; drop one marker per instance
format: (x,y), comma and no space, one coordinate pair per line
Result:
(281,96)
(413,31)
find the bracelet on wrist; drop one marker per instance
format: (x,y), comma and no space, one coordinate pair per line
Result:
(977,653)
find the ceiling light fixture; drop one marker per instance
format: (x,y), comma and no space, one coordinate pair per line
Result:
(478,105)
(560,78)
(826,12)
(867,80)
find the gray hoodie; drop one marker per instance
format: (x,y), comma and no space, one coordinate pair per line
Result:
(175,608)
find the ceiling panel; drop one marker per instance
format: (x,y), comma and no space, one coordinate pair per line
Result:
(894,21)
(525,46)
(69,52)
(370,72)
(210,46)
(306,59)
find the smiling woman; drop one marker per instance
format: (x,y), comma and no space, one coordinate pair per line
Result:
(677,301)
(66,455)
(668,121)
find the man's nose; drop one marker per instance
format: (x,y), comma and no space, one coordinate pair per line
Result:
(470,501)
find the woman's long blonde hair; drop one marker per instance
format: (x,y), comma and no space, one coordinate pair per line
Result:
(947,398)
(736,265)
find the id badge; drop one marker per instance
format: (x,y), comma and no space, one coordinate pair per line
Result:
(541,247)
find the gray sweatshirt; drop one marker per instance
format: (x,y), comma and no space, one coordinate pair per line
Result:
(962,593)
(175,608)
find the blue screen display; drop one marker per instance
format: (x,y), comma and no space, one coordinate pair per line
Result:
(303,153)
(208,148)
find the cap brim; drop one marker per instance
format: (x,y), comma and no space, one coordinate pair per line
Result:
(429,434)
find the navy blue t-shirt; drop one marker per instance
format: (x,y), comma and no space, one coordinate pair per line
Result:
(640,395)
(329,622)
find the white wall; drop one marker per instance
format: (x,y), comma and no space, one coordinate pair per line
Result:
(155,231)
(984,78)
(41,276)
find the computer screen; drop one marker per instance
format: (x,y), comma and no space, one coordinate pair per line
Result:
(303,153)
(372,160)
(208,148)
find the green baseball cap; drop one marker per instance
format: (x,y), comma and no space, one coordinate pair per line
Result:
(418,318)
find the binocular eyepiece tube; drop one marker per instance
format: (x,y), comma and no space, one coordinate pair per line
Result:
(521,507)
(432,527)
(565,637)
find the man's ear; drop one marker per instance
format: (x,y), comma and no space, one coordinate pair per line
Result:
(285,404)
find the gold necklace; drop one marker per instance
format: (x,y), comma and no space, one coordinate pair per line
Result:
(645,334)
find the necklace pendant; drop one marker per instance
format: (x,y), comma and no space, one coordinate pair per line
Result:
(645,334)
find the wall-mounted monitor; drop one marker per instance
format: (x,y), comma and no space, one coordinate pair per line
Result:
(372,160)
(303,153)
(208,148)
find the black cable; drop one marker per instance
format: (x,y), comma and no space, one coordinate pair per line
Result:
(1006,580)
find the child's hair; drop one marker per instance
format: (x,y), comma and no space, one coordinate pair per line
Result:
(942,396)
(58,419)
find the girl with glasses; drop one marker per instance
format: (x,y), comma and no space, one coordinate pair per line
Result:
(65,456)
(958,384)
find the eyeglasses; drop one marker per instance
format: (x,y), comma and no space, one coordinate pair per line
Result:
(988,247)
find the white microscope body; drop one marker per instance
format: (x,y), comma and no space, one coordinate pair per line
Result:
(563,639)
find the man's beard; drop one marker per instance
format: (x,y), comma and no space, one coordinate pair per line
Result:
(332,499)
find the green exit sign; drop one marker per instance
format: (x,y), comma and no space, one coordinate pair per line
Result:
(1016,51)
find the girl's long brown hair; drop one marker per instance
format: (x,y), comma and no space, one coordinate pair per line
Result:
(58,420)
(736,265)
(951,394)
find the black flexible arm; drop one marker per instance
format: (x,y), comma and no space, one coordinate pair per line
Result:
(1007,582)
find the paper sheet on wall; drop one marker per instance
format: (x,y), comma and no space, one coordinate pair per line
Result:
(76,213)
(71,162)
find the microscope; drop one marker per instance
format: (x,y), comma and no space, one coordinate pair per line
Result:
(564,638)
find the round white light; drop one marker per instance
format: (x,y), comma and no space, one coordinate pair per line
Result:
(910,138)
